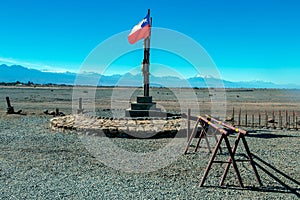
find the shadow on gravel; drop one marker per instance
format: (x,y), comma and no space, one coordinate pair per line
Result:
(269,135)
(136,135)
(273,189)
(267,168)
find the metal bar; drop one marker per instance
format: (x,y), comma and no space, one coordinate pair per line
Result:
(208,167)
(251,160)
(146,66)
(146,61)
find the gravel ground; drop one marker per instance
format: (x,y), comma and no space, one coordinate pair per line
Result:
(37,163)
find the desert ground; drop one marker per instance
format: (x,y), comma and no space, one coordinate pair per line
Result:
(38,163)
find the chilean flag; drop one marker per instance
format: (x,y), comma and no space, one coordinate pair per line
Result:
(140,31)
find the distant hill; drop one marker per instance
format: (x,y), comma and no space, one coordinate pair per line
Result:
(22,74)
(18,73)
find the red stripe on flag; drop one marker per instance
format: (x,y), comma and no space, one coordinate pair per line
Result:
(139,34)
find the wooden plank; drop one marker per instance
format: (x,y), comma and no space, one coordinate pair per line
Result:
(202,134)
(191,137)
(238,130)
(230,160)
(251,160)
(233,161)
(208,167)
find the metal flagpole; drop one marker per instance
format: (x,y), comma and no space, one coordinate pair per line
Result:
(146,61)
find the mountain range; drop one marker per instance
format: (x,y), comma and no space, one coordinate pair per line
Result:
(22,74)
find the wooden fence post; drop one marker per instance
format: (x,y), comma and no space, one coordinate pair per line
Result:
(239,119)
(56,111)
(280,120)
(259,119)
(266,118)
(232,115)
(246,118)
(273,117)
(294,119)
(80,103)
(80,108)
(10,109)
(188,124)
(286,119)
(8,102)
(252,120)
(296,123)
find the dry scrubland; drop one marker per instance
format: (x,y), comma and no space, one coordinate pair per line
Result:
(34,100)
(36,162)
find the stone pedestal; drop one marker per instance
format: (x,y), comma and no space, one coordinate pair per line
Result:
(144,107)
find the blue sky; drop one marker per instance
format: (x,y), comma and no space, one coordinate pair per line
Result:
(247,39)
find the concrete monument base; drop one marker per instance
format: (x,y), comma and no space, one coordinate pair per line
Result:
(144,107)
